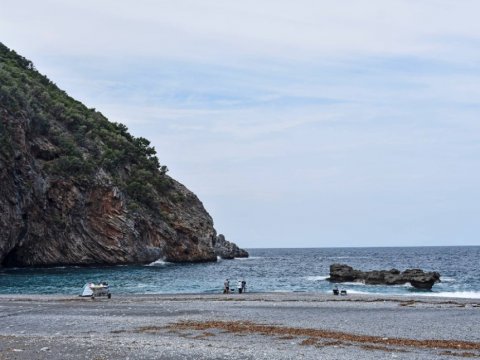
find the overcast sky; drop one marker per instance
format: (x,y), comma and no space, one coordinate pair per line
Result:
(297,123)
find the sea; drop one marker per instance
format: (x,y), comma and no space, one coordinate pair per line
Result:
(266,270)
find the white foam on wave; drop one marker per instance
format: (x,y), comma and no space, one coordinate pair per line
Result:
(406,285)
(444,294)
(447,279)
(454,294)
(159,262)
(317,278)
(350,291)
(141,286)
(353,283)
(249,258)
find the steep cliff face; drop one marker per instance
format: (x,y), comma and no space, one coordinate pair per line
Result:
(78,189)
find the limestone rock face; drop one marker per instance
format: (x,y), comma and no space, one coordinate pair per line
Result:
(55,221)
(416,277)
(76,189)
(228,250)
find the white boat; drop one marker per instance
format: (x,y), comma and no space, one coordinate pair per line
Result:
(94,290)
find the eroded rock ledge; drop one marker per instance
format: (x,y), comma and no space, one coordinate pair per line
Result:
(228,250)
(416,277)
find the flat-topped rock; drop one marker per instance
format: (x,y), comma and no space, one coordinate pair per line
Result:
(416,277)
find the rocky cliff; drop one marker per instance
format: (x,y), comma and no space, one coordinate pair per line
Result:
(228,250)
(77,189)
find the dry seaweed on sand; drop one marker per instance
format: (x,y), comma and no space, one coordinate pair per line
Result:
(273,330)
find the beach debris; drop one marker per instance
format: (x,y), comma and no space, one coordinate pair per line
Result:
(321,335)
(416,277)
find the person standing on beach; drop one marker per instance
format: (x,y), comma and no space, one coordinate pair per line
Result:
(226,286)
(335,290)
(239,286)
(244,286)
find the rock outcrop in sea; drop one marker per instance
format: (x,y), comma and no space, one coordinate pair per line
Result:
(77,189)
(416,277)
(228,250)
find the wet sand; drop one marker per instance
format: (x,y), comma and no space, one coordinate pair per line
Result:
(233,326)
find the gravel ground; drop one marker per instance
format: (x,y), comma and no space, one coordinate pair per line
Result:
(232,326)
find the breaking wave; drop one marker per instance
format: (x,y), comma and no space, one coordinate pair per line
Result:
(317,278)
(454,294)
(159,262)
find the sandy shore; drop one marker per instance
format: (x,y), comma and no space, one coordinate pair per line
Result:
(247,326)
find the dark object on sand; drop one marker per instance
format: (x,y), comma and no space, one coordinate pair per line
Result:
(343,292)
(416,277)
(335,291)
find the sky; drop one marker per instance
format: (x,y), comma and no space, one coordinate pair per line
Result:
(304,123)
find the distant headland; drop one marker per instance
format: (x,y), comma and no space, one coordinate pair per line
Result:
(78,189)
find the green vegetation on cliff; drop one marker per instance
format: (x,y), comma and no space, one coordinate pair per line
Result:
(74,142)
(77,189)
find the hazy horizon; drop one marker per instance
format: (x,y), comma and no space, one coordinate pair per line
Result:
(298,125)
(359,247)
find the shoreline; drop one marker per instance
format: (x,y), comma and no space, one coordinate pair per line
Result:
(472,295)
(238,326)
(259,295)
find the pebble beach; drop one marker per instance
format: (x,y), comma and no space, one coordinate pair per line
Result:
(234,326)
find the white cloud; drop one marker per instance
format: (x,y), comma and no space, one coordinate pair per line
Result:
(328,113)
(217,30)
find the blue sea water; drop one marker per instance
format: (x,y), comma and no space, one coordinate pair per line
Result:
(267,270)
